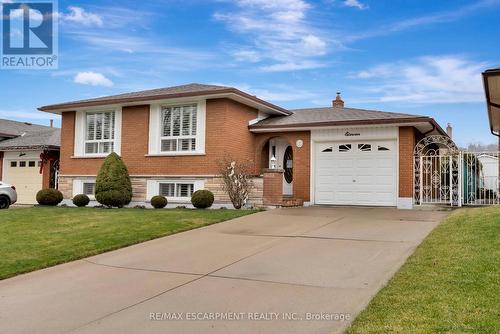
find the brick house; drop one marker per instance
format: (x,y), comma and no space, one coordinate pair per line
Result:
(172,140)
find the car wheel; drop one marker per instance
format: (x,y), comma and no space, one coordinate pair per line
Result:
(4,202)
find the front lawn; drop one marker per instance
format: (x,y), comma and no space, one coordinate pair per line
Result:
(451,284)
(39,237)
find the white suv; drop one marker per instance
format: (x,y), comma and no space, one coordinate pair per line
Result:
(8,195)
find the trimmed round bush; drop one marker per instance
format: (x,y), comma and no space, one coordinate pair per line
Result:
(50,197)
(81,200)
(113,187)
(159,202)
(202,199)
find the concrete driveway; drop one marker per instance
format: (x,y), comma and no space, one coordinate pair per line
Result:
(304,270)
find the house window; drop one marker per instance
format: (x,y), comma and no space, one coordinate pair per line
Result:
(364,147)
(179,190)
(89,188)
(22,163)
(178,128)
(100,132)
(31,164)
(13,164)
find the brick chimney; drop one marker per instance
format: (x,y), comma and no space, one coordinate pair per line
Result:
(338,102)
(449,130)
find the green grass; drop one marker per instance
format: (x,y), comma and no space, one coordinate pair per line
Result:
(39,237)
(451,284)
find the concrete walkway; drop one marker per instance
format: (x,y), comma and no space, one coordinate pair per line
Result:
(304,270)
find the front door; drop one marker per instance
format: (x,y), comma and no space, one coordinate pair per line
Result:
(288,168)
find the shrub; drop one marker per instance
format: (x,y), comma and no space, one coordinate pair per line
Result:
(113,187)
(202,199)
(159,202)
(237,180)
(81,200)
(50,197)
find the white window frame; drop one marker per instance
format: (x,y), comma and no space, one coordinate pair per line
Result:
(156,129)
(78,186)
(81,132)
(153,188)
(110,140)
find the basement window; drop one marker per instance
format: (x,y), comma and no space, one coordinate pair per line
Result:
(89,188)
(176,190)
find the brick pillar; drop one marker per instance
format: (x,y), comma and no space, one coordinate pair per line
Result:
(46,175)
(406,146)
(273,187)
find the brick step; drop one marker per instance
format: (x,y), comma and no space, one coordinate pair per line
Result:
(291,202)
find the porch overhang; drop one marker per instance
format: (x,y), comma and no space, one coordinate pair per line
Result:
(425,125)
(491,81)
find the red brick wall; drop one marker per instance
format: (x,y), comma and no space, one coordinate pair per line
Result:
(407,137)
(301,159)
(273,187)
(226,134)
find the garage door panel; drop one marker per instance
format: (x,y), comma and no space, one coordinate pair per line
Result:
(26,178)
(374,173)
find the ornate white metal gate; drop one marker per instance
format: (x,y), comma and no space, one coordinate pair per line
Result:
(445,175)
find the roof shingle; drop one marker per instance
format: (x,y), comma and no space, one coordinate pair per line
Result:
(27,135)
(312,116)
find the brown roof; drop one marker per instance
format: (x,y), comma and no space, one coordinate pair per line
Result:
(192,89)
(334,116)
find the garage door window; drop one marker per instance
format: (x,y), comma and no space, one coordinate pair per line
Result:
(31,164)
(13,164)
(345,147)
(22,163)
(364,147)
(382,148)
(328,149)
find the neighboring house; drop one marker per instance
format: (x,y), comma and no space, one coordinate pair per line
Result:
(172,140)
(489,170)
(29,155)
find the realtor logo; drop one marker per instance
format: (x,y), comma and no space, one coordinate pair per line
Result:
(29,35)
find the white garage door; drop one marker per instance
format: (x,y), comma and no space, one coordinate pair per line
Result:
(356,173)
(25,176)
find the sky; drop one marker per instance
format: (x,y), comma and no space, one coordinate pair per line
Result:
(412,56)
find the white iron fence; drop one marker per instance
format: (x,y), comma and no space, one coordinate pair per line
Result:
(457,178)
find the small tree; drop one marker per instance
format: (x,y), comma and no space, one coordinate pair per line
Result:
(237,181)
(113,187)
